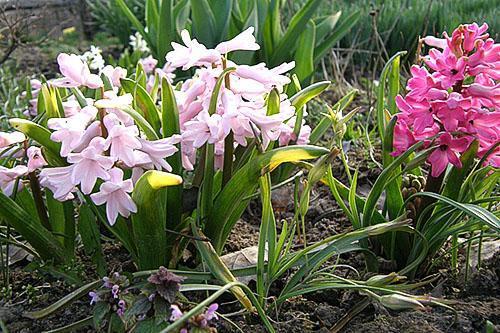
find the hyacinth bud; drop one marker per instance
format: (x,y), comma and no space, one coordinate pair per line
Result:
(380,280)
(400,302)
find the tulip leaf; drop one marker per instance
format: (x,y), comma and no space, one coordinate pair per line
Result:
(148,224)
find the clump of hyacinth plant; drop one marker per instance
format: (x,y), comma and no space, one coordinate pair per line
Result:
(449,119)
(104,144)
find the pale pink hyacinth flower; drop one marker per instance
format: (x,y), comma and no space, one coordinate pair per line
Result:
(122,140)
(115,194)
(9,178)
(10,138)
(76,73)
(156,151)
(203,128)
(90,164)
(192,53)
(113,104)
(69,131)
(115,74)
(35,158)
(245,41)
(148,64)
(58,181)
(268,77)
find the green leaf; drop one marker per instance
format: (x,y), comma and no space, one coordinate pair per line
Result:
(62,221)
(288,42)
(148,224)
(305,95)
(203,22)
(340,31)
(63,302)
(170,126)
(144,102)
(166,29)
(483,215)
(231,201)
(46,245)
(326,121)
(136,23)
(222,14)
(381,184)
(380,107)
(457,176)
(304,55)
(91,238)
(39,134)
(325,25)
(218,268)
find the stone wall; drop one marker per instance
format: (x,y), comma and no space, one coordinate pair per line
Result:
(50,16)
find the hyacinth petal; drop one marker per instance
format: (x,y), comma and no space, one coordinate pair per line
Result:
(7,139)
(438,160)
(244,41)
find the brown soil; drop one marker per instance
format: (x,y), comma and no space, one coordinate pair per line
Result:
(476,301)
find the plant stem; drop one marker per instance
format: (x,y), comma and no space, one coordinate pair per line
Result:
(344,162)
(454,253)
(227,170)
(433,184)
(39,204)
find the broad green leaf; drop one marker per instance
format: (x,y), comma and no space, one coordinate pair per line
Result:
(481,214)
(203,22)
(39,134)
(148,224)
(288,42)
(456,177)
(304,55)
(144,102)
(325,25)
(62,221)
(91,238)
(218,268)
(301,98)
(46,245)
(381,184)
(166,29)
(341,29)
(170,126)
(231,201)
(393,61)
(222,15)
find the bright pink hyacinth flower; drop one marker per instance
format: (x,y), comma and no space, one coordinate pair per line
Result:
(115,194)
(457,98)
(76,73)
(447,152)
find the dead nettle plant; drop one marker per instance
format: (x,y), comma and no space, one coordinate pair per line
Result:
(440,148)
